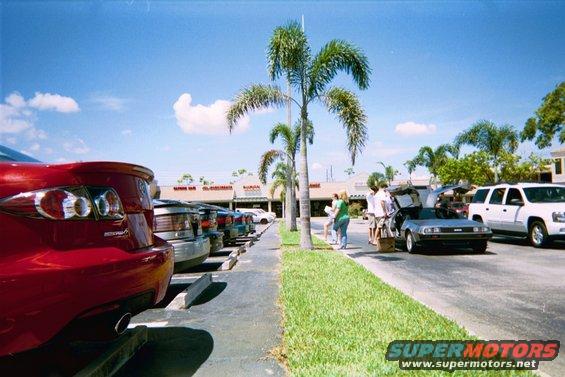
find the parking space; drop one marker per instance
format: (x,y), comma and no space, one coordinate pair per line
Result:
(513,291)
(171,339)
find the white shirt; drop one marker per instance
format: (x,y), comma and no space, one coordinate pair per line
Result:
(389,204)
(380,197)
(370,197)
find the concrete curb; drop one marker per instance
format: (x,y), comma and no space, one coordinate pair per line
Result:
(231,261)
(110,362)
(185,299)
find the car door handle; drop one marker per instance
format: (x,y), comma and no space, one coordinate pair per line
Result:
(486,209)
(503,210)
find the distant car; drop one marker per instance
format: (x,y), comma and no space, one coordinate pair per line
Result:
(532,210)
(225,220)
(78,249)
(459,207)
(249,219)
(259,215)
(240,223)
(420,227)
(180,225)
(209,217)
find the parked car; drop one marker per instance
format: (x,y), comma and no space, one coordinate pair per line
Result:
(78,249)
(420,227)
(180,225)
(209,217)
(460,207)
(249,219)
(225,219)
(532,210)
(240,223)
(259,215)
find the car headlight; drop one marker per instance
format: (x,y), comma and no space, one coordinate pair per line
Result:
(429,230)
(481,229)
(558,217)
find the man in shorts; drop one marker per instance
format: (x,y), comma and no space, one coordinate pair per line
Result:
(380,210)
(370,197)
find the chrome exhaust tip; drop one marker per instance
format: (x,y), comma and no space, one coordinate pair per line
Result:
(122,324)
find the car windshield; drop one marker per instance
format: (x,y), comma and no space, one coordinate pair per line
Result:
(7,154)
(547,194)
(437,213)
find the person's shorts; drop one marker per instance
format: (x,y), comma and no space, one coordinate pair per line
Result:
(380,221)
(372,221)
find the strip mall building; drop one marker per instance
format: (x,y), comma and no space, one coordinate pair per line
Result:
(248,192)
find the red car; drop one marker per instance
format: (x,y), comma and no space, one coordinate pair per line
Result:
(460,207)
(78,251)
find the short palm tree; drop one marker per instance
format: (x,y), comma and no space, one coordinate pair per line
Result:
(309,75)
(431,159)
(410,166)
(290,138)
(390,172)
(492,139)
(279,181)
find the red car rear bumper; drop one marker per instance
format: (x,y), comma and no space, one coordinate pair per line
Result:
(41,293)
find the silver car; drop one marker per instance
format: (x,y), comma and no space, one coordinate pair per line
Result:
(179,225)
(417,226)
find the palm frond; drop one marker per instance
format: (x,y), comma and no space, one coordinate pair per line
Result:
(338,56)
(285,132)
(288,51)
(348,110)
(265,162)
(253,98)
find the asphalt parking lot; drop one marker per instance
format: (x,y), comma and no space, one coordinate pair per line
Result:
(513,291)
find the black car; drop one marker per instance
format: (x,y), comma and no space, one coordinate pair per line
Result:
(225,220)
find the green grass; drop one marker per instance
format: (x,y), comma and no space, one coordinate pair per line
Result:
(339,318)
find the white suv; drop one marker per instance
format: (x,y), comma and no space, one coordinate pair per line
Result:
(533,210)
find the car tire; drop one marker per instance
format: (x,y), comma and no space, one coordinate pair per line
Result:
(411,245)
(479,246)
(537,234)
(264,221)
(478,219)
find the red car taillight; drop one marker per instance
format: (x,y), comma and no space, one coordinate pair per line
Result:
(66,203)
(171,223)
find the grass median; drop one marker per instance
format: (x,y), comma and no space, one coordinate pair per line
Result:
(339,318)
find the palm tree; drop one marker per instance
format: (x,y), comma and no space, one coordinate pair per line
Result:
(186,178)
(375,179)
(390,172)
(279,180)
(349,171)
(290,55)
(410,167)
(431,159)
(290,138)
(492,139)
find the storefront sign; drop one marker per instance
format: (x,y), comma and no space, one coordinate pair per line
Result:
(217,188)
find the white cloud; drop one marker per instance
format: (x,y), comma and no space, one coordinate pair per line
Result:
(56,102)
(48,150)
(11,140)
(414,129)
(126,132)
(317,166)
(61,159)
(12,121)
(380,150)
(35,147)
(78,147)
(36,133)
(109,102)
(15,100)
(207,120)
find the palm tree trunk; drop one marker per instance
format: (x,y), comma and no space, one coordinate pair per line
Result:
(304,185)
(291,196)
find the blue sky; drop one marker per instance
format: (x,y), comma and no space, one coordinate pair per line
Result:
(99,80)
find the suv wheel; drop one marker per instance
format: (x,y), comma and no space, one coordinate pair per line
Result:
(538,234)
(478,219)
(264,221)
(411,246)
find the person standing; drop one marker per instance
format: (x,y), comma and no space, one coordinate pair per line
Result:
(380,210)
(342,217)
(370,197)
(330,222)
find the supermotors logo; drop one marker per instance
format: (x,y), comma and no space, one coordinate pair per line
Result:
(451,355)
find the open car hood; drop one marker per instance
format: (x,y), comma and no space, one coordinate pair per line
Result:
(432,197)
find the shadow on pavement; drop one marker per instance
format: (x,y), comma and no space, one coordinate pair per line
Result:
(210,293)
(524,242)
(170,351)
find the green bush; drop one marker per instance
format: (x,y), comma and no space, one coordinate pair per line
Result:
(355,209)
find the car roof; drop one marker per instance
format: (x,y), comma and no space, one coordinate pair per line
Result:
(522,184)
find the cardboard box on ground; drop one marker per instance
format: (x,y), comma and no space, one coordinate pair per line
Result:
(385,244)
